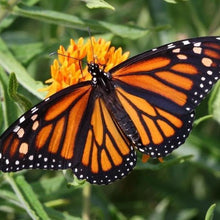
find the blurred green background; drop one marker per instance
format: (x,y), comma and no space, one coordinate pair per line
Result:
(183,187)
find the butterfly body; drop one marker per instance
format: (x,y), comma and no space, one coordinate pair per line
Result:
(145,103)
(105,88)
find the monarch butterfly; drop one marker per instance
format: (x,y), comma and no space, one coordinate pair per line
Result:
(94,127)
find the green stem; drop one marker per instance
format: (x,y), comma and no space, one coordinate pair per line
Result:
(86,202)
(3,100)
(5,10)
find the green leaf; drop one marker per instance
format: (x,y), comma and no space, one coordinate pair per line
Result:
(3,107)
(25,52)
(210,213)
(67,20)
(29,2)
(171,1)
(71,179)
(6,22)
(20,196)
(98,4)
(22,102)
(199,120)
(56,215)
(214,102)
(166,163)
(7,117)
(10,64)
(174,1)
(160,210)
(187,214)
(9,196)
(48,187)
(31,197)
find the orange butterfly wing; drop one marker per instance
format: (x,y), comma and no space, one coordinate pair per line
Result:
(160,90)
(107,155)
(71,129)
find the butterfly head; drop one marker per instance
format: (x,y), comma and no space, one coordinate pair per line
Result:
(94,69)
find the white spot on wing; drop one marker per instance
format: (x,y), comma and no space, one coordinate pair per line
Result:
(22,119)
(198,44)
(31,157)
(186,42)
(169,46)
(16,128)
(34,109)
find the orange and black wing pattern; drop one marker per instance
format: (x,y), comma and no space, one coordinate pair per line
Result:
(107,155)
(160,89)
(71,129)
(92,127)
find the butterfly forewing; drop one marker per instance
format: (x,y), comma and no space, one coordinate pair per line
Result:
(44,136)
(176,76)
(173,79)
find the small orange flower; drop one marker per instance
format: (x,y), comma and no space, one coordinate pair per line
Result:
(68,69)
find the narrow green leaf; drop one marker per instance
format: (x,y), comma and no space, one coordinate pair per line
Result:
(13,85)
(214,102)
(56,215)
(98,4)
(174,1)
(29,2)
(1,112)
(6,22)
(10,196)
(187,214)
(171,1)
(22,102)
(210,213)
(124,31)
(9,110)
(160,210)
(166,163)
(59,18)
(20,196)
(3,107)
(199,120)
(10,64)
(5,8)
(31,197)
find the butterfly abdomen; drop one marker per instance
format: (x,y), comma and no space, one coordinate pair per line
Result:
(121,118)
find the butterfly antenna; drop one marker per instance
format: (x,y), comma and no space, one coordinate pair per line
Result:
(92,48)
(80,61)
(56,53)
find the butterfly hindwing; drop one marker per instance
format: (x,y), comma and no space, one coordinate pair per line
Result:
(160,131)
(107,154)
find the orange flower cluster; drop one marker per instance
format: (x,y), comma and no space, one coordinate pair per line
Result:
(68,69)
